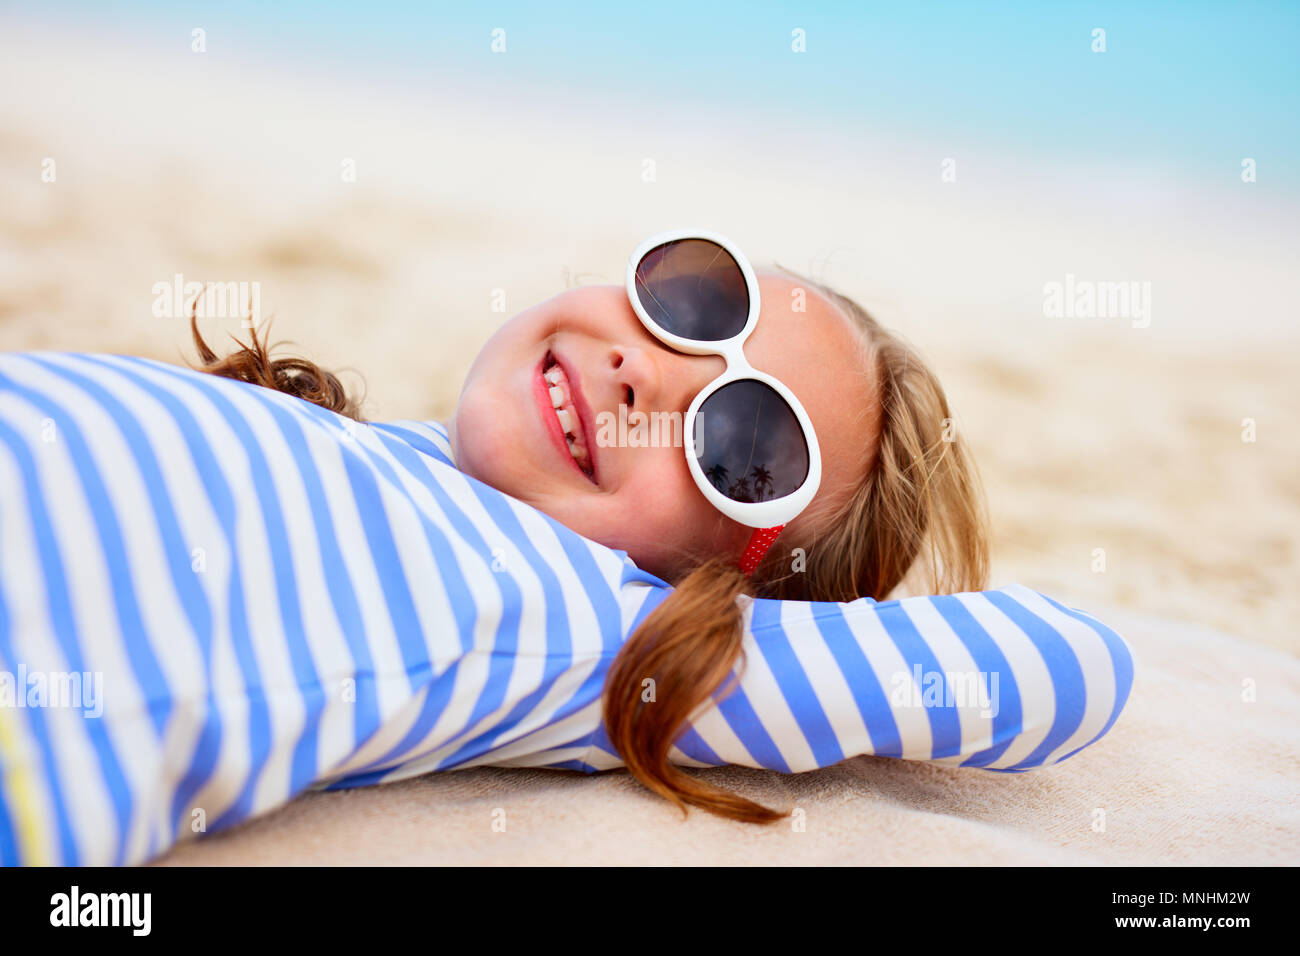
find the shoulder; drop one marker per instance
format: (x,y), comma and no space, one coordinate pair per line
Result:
(429,437)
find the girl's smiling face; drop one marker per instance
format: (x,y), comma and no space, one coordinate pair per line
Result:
(643,500)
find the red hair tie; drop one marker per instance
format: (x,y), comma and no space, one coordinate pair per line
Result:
(759,544)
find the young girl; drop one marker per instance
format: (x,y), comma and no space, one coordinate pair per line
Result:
(220,590)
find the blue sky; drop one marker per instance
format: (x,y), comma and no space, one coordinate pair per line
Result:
(1186,89)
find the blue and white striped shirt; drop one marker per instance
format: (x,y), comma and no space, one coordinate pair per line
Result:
(214,596)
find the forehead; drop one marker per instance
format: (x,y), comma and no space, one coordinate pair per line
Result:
(820,354)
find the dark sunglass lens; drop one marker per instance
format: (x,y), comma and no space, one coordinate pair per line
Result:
(693,288)
(749,443)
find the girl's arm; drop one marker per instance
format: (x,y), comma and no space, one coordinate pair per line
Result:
(1003,680)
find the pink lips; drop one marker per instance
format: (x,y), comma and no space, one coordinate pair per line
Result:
(543,396)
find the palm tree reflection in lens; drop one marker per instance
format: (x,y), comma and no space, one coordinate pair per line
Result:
(755,449)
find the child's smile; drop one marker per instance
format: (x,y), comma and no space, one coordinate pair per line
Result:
(566,415)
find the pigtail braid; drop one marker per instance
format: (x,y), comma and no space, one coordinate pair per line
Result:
(688,646)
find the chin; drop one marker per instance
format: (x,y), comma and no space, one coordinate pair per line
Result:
(483,449)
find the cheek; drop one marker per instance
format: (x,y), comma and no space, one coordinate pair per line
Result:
(660,515)
(661,481)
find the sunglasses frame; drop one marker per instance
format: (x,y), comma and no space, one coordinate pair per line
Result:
(776,512)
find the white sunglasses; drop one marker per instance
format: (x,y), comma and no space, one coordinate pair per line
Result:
(753,452)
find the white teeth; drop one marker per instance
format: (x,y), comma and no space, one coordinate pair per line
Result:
(566,414)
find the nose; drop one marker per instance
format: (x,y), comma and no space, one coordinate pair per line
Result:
(655,378)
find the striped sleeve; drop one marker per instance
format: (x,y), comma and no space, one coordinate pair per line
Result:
(1004,680)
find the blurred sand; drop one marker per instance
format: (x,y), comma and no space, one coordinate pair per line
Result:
(1090,434)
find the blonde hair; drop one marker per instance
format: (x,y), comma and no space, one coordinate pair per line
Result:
(919,506)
